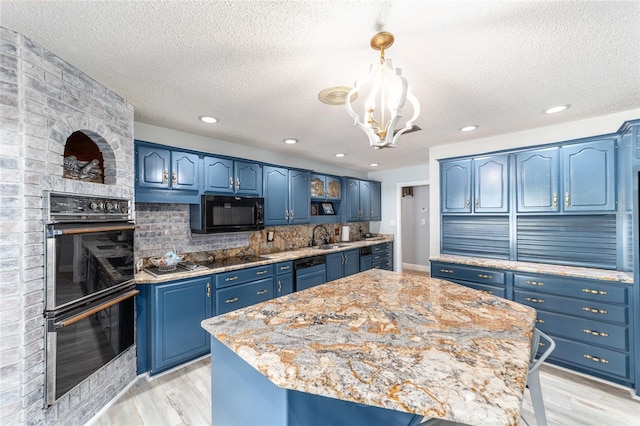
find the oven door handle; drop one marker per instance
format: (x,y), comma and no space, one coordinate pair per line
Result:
(96,229)
(92,311)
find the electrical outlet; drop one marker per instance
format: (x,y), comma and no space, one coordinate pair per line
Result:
(424,221)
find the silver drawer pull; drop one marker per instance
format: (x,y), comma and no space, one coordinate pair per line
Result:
(534,300)
(262,272)
(235,299)
(590,291)
(284,268)
(596,359)
(595,333)
(446,271)
(540,321)
(485,276)
(595,311)
(265,291)
(538,283)
(231,278)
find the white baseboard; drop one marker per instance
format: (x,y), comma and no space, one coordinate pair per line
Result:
(414,267)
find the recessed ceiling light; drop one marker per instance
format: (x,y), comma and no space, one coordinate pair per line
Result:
(340,155)
(555,109)
(207,119)
(374,164)
(469,128)
(290,141)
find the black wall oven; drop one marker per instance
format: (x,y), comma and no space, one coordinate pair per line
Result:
(89,307)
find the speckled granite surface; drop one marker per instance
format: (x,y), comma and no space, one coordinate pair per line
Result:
(540,268)
(146,278)
(404,342)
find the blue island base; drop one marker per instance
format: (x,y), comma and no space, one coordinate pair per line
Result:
(242,396)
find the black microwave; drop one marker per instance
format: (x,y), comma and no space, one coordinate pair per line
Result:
(217,213)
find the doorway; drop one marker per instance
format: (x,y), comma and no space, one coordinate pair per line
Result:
(414,227)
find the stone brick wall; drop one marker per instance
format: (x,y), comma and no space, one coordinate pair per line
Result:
(43,100)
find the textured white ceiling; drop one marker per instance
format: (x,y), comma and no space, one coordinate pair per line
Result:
(258,65)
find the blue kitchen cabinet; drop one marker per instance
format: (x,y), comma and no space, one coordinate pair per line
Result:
(287,196)
(363,200)
(166,175)
(227,176)
(244,287)
(382,256)
(342,264)
(455,184)
(589,176)
(479,185)
(284,278)
(176,310)
(325,187)
(537,180)
(486,280)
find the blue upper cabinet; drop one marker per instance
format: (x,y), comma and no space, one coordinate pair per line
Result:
(573,178)
(537,180)
(184,171)
(376,201)
(363,200)
(323,187)
(491,184)
(227,176)
(456,186)
(479,185)
(287,196)
(589,176)
(353,199)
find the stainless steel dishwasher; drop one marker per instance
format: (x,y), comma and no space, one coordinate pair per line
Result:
(310,272)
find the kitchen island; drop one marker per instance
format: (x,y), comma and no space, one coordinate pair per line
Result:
(377,347)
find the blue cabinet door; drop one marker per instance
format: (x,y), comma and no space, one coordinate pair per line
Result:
(276,195)
(455,179)
(153,165)
(177,310)
(242,295)
(248,178)
(299,197)
(185,171)
(537,180)
(334,265)
(353,200)
(365,200)
(589,176)
(491,184)
(284,284)
(351,262)
(218,175)
(376,201)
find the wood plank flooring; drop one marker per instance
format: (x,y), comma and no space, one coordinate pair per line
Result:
(182,397)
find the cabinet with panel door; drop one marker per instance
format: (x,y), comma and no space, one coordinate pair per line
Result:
(228,176)
(478,185)
(284,278)
(287,196)
(164,174)
(342,264)
(325,187)
(168,319)
(573,178)
(363,200)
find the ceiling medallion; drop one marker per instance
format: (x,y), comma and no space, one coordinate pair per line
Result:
(334,95)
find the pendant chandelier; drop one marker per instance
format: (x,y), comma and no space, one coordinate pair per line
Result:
(382,94)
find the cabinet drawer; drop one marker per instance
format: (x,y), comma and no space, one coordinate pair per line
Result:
(380,256)
(381,247)
(468,273)
(489,289)
(575,307)
(590,357)
(284,267)
(597,291)
(243,295)
(240,276)
(593,332)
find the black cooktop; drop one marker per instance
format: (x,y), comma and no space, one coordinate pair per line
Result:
(217,263)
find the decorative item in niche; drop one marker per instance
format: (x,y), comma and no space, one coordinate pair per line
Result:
(327,208)
(83,159)
(314,210)
(82,170)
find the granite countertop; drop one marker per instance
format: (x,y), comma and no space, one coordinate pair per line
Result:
(404,342)
(540,268)
(266,259)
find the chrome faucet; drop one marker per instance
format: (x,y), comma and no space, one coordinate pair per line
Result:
(324,240)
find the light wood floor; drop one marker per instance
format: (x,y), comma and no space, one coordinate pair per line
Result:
(182,397)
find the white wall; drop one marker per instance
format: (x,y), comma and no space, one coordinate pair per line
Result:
(544,135)
(164,136)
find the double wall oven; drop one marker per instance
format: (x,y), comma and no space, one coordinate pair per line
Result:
(89,307)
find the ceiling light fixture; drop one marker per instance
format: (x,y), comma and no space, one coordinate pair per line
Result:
(374,164)
(290,141)
(556,109)
(468,128)
(383,93)
(207,119)
(339,155)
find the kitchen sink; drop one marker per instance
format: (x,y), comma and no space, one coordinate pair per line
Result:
(330,246)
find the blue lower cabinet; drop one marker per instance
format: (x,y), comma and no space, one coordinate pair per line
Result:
(342,264)
(284,278)
(176,310)
(242,295)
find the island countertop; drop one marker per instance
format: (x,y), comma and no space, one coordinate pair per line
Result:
(398,341)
